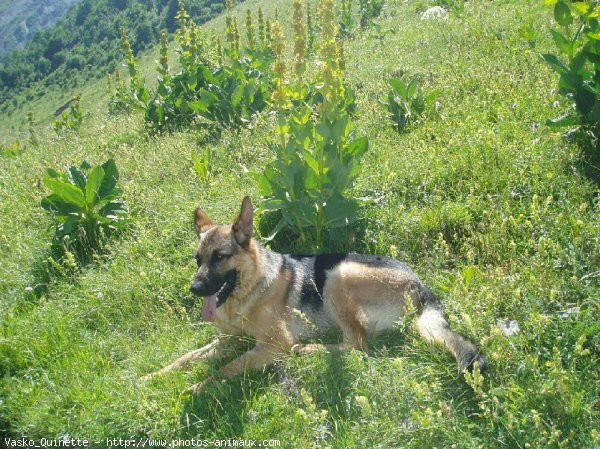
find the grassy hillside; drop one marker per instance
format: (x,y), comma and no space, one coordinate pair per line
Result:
(497,213)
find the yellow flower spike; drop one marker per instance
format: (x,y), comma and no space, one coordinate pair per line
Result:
(300,39)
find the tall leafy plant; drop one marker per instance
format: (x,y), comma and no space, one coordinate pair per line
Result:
(71,120)
(86,205)
(369,10)
(132,96)
(318,153)
(406,102)
(346,21)
(577,61)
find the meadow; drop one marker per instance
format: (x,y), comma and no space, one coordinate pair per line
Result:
(496,212)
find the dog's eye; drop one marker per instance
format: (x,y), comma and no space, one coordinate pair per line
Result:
(217,256)
(198,260)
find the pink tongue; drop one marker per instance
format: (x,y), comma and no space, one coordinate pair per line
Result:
(209,308)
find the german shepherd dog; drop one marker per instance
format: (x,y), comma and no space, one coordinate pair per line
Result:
(282,300)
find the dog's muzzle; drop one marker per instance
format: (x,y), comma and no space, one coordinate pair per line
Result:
(222,288)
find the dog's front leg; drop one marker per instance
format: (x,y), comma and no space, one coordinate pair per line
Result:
(258,357)
(212,351)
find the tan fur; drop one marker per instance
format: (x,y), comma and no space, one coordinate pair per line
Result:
(359,298)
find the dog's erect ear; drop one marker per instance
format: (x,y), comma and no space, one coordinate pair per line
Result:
(202,221)
(243,227)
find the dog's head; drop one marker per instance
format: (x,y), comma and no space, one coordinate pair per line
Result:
(223,253)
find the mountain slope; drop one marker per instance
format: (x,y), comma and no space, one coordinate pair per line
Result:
(21,19)
(85,44)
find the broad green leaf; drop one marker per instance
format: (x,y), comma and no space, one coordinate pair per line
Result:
(162,90)
(157,113)
(68,226)
(399,87)
(311,162)
(280,225)
(593,117)
(77,177)
(468,274)
(249,92)
(498,391)
(340,212)
(563,44)
(566,120)
(311,181)
(358,147)
(579,62)
(208,98)
(562,14)
(201,164)
(264,184)
(273,204)
(237,95)
(54,203)
(585,100)
(412,88)
(111,223)
(56,175)
(570,82)
(340,127)
(324,130)
(92,187)
(67,192)
(115,193)
(591,89)
(418,105)
(114,209)
(555,63)
(111,176)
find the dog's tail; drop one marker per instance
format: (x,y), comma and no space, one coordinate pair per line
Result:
(434,328)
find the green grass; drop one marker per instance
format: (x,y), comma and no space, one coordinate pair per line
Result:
(498,214)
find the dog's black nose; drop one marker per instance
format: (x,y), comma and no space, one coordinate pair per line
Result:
(197,287)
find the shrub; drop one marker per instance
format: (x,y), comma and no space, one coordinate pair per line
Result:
(407,102)
(86,205)
(69,121)
(201,163)
(132,96)
(369,10)
(228,94)
(577,61)
(346,21)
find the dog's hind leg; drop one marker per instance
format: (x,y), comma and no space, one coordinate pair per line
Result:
(212,351)
(355,337)
(316,347)
(434,328)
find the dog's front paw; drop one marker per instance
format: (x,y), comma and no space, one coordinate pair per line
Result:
(195,390)
(146,378)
